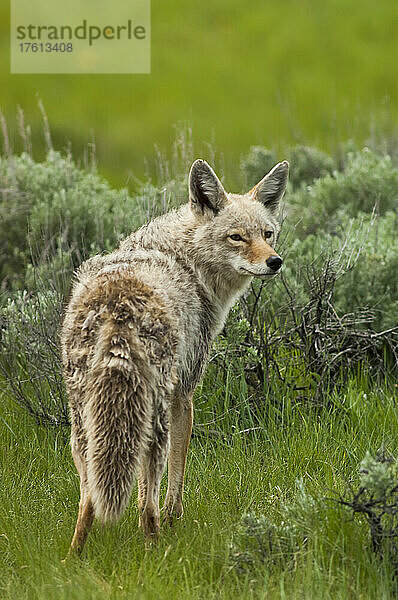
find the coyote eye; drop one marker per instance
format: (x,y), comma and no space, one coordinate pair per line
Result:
(267,234)
(236,237)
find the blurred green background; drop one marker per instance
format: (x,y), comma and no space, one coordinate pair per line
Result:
(240,73)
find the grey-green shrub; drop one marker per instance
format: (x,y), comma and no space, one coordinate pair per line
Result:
(256,164)
(307,164)
(373,282)
(54,215)
(366,251)
(53,205)
(30,361)
(264,541)
(369,182)
(376,500)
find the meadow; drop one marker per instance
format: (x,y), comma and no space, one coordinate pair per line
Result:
(301,385)
(258,472)
(264,73)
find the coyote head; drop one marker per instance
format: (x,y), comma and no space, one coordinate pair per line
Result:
(239,232)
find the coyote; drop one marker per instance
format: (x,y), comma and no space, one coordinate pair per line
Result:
(137,334)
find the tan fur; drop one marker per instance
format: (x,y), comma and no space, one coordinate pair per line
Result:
(136,337)
(258,251)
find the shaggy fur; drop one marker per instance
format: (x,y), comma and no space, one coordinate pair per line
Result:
(136,338)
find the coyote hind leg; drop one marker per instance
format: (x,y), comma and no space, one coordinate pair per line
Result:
(83,525)
(85,516)
(153,464)
(180,434)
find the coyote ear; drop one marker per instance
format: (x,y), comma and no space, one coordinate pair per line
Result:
(205,189)
(271,188)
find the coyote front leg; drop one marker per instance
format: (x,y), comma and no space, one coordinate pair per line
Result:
(181,419)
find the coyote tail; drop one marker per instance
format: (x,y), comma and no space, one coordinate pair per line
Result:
(122,388)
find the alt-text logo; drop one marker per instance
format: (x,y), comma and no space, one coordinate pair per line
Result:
(49,36)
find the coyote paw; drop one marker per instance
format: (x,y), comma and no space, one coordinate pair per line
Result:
(150,522)
(72,554)
(172,510)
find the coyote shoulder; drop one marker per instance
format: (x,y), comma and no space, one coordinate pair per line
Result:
(137,334)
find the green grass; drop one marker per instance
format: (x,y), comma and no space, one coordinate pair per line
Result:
(255,471)
(262,73)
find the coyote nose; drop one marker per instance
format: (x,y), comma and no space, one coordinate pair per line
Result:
(274,262)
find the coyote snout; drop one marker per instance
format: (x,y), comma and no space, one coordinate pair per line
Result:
(137,334)
(271,267)
(274,263)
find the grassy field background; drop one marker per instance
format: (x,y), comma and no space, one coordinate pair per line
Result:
(266,73)
(256,472)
